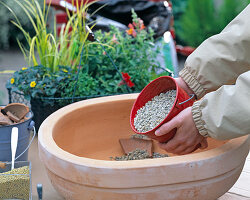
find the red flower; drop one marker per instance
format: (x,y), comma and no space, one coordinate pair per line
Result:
(130,83)
(134,24)
(131,30)
(126,80)
(142,27)
(114,39)
(139,25)
(131,26)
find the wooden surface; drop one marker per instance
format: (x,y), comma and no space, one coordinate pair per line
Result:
(242,186)
(240,190)
(39,175)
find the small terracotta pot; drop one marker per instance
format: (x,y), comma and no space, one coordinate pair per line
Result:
(154,88)
(75,144)
(19,110)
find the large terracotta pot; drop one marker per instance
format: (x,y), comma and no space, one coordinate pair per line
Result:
(75,144)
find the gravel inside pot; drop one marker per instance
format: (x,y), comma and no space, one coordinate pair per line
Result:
(138,154)
(140,136)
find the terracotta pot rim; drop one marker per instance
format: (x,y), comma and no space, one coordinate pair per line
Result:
(46,130)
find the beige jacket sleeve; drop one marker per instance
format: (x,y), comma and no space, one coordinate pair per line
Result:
(219,71)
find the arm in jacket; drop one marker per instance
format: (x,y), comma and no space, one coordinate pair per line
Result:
(211,72)
(220,59)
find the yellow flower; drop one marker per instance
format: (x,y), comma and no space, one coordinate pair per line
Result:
(24,68)
(12,80)
(33,84)
(65,70)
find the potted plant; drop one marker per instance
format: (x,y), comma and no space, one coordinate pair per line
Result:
(124,63)
(71,68)
(56,60)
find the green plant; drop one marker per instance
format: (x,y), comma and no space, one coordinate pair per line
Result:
(52,51)
(203,19)
(37,81)
(8,31)
(1,97)
(179,8)
(87,86)
(198,21)
(132,52)
(229,10)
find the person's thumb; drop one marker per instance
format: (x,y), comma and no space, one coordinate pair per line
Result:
(167,127)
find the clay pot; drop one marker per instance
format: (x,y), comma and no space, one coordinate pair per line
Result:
(17,111)
(75,144)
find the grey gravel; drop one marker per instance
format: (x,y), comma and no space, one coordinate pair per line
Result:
(154,111)
(159,155)
(138,154)
(140,136)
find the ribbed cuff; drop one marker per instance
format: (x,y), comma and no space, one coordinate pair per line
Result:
(199,123)
(192,82)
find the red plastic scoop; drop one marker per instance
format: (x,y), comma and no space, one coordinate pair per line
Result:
(154,88)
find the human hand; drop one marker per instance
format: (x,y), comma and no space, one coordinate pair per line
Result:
(184,85)
(187,136)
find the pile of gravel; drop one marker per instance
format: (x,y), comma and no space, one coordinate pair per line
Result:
(138,154)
